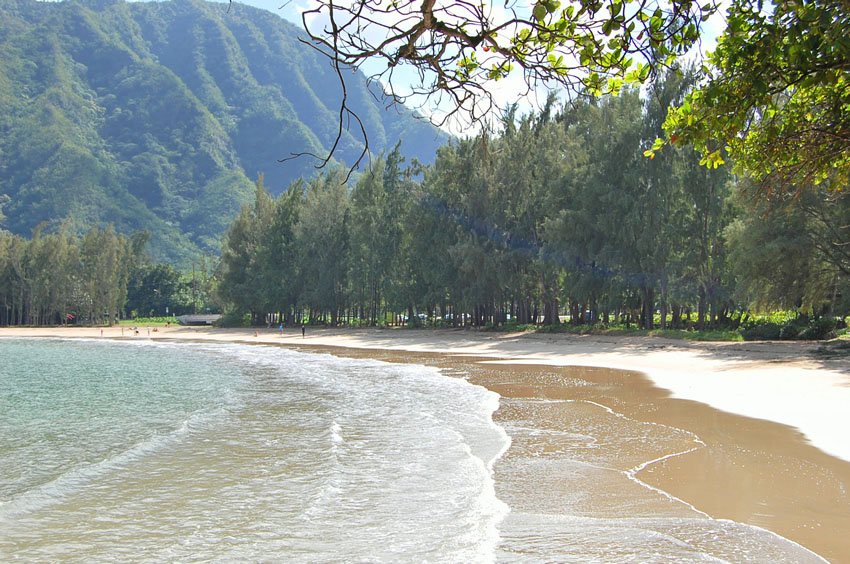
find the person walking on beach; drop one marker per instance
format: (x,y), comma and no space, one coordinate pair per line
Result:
(303,331)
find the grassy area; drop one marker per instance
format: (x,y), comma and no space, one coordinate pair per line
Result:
(707,335)
(147,322)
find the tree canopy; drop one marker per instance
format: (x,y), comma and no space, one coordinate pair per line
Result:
(458,49)
(559,218)
(776,95)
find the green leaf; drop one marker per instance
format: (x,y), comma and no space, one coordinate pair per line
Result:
(539,12)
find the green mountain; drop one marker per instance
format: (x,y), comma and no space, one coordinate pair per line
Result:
(159,115)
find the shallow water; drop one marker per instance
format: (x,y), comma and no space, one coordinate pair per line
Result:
(116,451)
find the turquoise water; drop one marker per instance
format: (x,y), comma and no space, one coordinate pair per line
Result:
(161,452)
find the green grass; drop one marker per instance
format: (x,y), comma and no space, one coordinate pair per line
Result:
(148,322)
(707,335)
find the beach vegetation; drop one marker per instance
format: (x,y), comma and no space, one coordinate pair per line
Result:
(568,219)
(61,279)
(621,330)
(559,223)
(774,97)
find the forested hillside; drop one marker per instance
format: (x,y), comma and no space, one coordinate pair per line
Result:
(158,116)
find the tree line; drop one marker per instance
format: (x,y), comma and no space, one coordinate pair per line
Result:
(94,279)
(562,216)
(61,278)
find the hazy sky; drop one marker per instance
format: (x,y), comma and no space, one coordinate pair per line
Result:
(291,10)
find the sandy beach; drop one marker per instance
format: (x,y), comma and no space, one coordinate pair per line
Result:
(770,418)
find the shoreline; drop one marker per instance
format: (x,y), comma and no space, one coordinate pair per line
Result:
(748,469)
(774,381)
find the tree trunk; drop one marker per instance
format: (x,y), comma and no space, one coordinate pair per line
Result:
(550,312)
(648,309)
(677,316)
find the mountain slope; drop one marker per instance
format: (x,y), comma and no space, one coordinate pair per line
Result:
(158,115)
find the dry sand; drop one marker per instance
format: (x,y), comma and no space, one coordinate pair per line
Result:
(773,416)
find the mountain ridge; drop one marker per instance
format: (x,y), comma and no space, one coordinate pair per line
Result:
(158,115)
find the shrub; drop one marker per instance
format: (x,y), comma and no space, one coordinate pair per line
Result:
(791,330)
(762,330)
(234,319)
(823,328)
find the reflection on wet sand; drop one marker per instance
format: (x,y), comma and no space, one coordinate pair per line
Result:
(712,463)
(605,466)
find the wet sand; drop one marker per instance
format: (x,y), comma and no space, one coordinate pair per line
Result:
(714,464)
(650,455)
(746,470)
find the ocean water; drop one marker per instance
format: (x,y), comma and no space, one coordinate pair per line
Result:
(117,451)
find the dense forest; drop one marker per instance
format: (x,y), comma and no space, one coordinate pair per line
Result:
(154,115)
(559,218)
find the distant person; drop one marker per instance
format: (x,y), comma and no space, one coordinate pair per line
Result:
(303,331)
(281,329)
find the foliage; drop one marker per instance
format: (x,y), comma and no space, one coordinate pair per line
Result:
(560,217)
(762,331)
(791,252)
(459,49)
(59,278)
(820,329)
(777,95)
(707,335)
(234,319)
(153,289)
(800,327)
